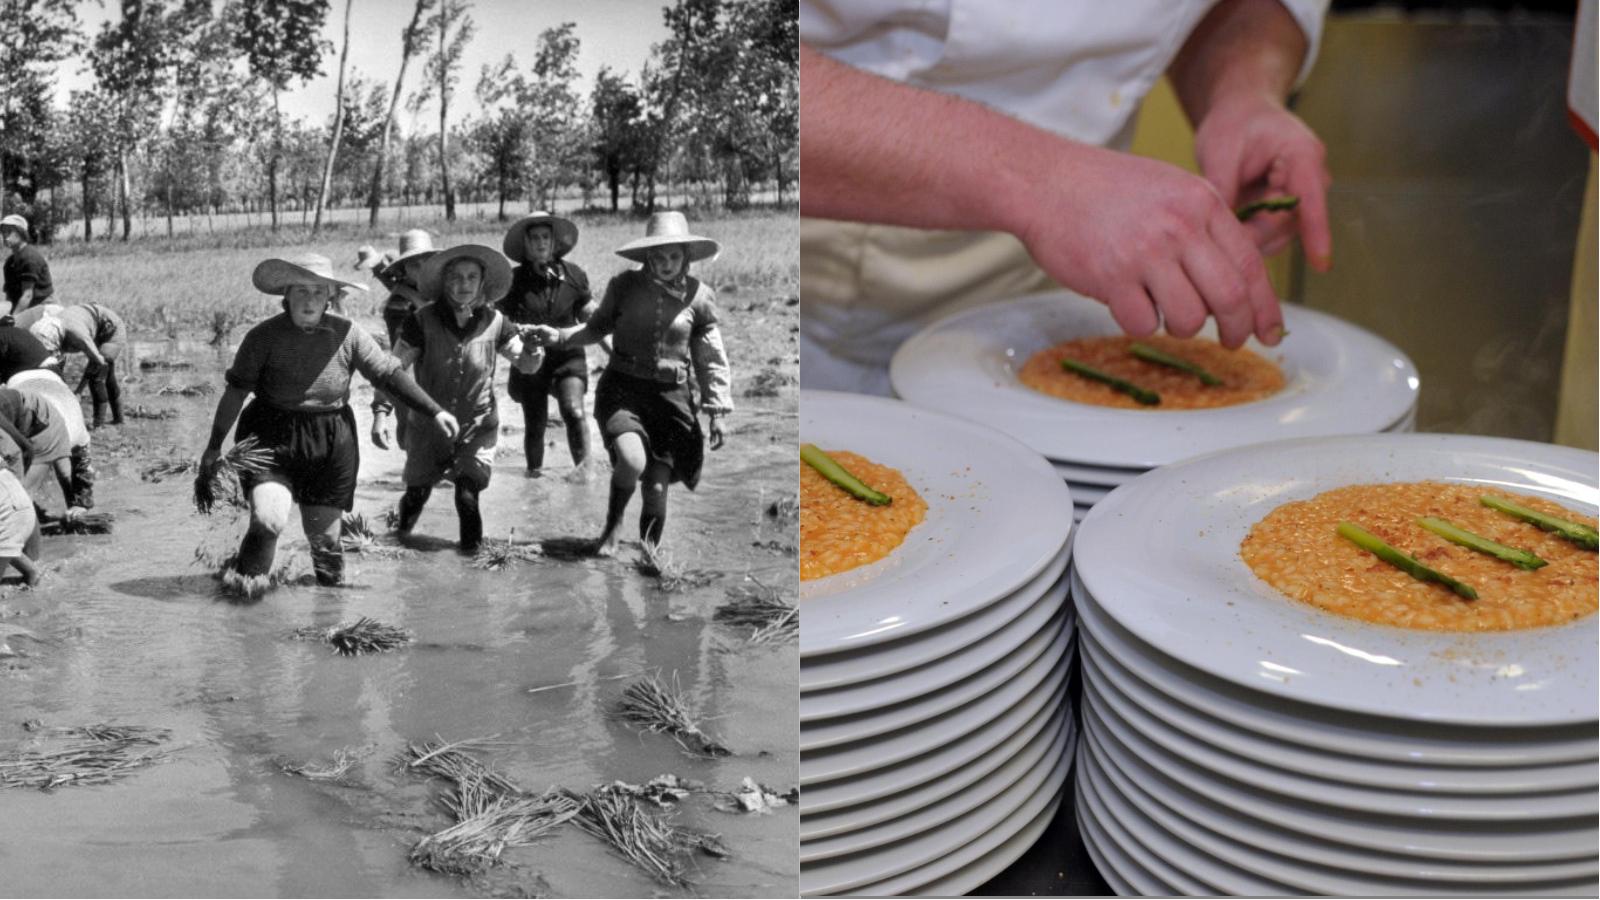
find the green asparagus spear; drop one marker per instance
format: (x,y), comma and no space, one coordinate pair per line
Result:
(1151,354)
(1148,398)
(1375,545)
(1579,534)
(822,462)
(1522,559)
(1268,204)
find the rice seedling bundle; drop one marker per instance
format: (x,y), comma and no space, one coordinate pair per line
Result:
(221,483)
(93,754)
(652,705)
(364,635)
(671,576)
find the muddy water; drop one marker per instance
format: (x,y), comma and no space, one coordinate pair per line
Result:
(137,634)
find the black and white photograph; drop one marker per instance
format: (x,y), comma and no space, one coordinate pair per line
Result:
(398,424)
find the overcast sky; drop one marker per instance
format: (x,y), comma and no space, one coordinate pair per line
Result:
(617,33)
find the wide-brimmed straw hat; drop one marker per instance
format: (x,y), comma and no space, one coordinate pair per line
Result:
(276,276)
(562,230)
(413,244)
(496,271)
(369,257)
(15,221)
(669,228)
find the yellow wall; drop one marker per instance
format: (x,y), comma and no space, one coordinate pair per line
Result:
(1579,405)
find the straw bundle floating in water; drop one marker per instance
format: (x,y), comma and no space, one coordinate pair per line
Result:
(654,706)
(168,468)
(93,754)
(364,635)
(356,536)
(496,555)
(670,575)
(82,523)
(140,411)
(762,608)
(189,390)
(221,483)
(344,759)
(490,812)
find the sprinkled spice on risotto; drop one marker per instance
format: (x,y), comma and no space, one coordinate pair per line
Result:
(1296,550)
(1246,376)
(838,532)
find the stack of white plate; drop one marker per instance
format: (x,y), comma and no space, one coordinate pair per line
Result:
(1239,742)
(1340,380)
(935,734)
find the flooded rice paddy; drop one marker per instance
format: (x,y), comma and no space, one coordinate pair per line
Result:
(131,630)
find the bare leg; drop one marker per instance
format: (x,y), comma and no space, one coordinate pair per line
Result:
(471,519)
(63,470)
(628,463)
(653,507)
(30,572)
(322,533)
(411,504)
(270,503)
(569,396)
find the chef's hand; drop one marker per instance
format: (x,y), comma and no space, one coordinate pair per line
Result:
(714,430)
(447,423)
(1250,147)
(381,433)
(1153,242)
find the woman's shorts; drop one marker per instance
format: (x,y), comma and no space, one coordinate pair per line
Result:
(315,454)
(663,415)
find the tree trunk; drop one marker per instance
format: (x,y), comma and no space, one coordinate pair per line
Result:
(122,193)
(338,125)
(272,161)
(88,207)
(375,195)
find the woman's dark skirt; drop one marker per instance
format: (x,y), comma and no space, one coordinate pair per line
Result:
(663,415)
(571,362)
(315,454)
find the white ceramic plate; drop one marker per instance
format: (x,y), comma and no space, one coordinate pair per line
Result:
(866,696)
(1583,776)
(1110,815)
(992,823)
(973,875)
(997,516)
(1104,854)
(835,670)
(1198,602)
(1052,641)
(1341,380)
(1501,809)
(1015,769)
(1102,476)
(1030,738)
(1119,867)
(1232,868)
(1006,851)
(1466,841)
(886,750)
(939,761)
(1159,802)
(1088,494)
(1369,737)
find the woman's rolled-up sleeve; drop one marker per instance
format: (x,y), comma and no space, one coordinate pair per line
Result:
(245,373)
(710,359)
(371,360)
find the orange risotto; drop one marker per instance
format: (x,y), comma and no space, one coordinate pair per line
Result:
(1296,550)
(839,532)
(1245,375)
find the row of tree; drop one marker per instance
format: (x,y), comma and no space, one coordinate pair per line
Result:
(184,115)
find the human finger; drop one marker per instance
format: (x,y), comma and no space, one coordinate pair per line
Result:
(1309,180)
(1134,311)
(1266,314)
(1222,289)
(1182,311)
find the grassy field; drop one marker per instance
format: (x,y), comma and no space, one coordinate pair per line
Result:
(199,285)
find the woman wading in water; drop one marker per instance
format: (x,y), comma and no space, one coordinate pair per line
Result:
(298,365)
(546,289)
(663,325)
(453,342)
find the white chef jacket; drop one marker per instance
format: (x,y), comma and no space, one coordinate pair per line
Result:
(1078,68)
